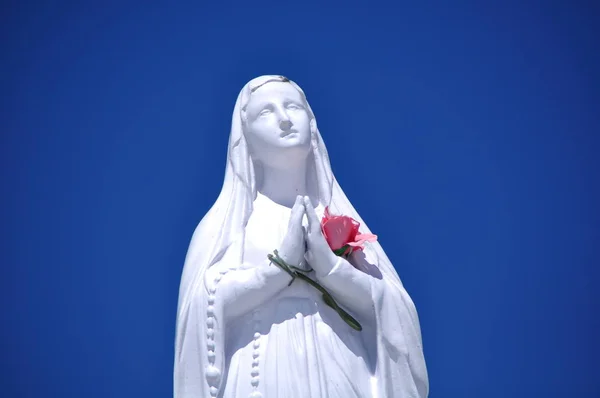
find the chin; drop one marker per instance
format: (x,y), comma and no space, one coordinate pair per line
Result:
(294,147)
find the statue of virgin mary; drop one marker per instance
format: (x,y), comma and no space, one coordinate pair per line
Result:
(245,327)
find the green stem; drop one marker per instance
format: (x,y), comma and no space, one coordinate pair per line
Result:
(341,250)
(282,264)
(330,301)
(327,297)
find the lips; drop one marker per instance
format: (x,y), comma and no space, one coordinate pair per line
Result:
(286,133)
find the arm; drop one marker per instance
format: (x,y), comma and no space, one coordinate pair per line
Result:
(242,290)
(348,285)
(351,287)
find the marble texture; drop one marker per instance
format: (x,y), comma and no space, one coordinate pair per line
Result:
(241,330)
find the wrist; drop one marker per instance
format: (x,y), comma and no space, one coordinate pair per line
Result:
(329,262)
(290,256)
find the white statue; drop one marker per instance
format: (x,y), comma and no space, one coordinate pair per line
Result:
(242,329)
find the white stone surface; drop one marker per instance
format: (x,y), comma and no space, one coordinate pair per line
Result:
(241,330)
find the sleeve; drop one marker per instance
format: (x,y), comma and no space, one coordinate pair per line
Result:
(352,283)
(241,289)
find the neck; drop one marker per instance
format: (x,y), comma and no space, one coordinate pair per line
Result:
(284,185)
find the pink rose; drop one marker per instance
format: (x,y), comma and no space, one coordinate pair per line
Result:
(342,235)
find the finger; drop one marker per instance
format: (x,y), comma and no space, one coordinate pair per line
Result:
(311,215)
(298,207)
(298,210)
(299,201)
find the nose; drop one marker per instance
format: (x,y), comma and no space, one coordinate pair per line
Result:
(285,124)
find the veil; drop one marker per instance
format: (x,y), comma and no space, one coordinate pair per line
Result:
(221,233)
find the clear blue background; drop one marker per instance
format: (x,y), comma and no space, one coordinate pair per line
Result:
(466,135)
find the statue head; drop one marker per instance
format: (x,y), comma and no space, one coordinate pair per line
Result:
(277,122)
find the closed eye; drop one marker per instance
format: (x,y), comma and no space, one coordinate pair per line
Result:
(264,112)
(293,106)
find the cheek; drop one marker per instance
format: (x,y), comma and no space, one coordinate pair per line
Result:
(303,116)
(302,121)
(262,130)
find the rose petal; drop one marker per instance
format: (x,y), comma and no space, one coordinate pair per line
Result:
(361,239)
(355,227)
(343,230)
(337,231)
(367,237)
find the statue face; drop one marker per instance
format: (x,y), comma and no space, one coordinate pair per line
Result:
(278,124)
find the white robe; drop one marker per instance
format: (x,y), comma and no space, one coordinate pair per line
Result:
(285,342)
(227,307)
(293,345)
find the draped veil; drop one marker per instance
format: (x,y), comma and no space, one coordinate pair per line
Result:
(400,365)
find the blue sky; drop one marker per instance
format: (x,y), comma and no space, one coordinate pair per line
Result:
(466,135)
